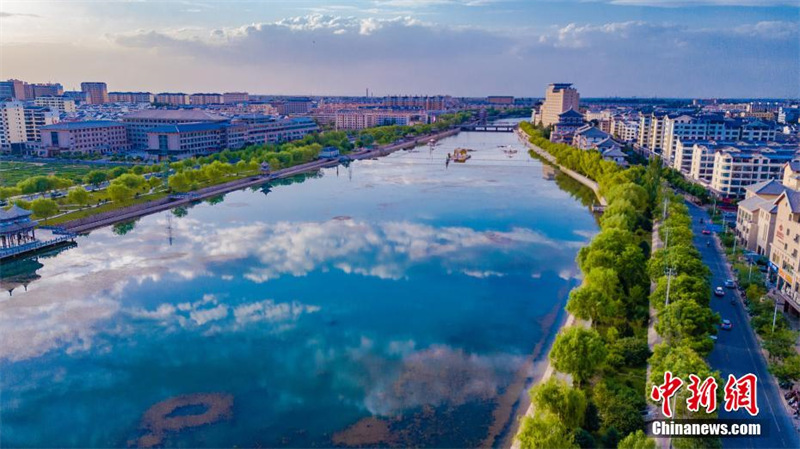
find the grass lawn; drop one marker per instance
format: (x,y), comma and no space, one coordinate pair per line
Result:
(82,213)
(12,172)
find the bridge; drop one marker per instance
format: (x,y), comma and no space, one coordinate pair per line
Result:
(489,128)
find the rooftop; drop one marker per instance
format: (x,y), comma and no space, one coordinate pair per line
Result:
(186,127)
(67,126)
(769,187)
(186,115)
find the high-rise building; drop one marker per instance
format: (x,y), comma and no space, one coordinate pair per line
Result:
(96,91)
(12,124)
(559,97)
(47,90)
(35,118)
(295,105)
(13,90)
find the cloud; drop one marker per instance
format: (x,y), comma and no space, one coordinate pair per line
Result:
(687,3)
(5,15)
(341,54)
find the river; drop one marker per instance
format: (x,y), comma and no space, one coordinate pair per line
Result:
(396,302)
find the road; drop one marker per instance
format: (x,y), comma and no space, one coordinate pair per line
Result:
(738,352)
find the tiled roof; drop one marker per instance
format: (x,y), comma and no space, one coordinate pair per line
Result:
(14,212)
(186,127)
(769,187)
(81,125)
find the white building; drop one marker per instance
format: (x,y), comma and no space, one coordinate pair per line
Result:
(12,124)
(60,104)
(367,118)
(736,167)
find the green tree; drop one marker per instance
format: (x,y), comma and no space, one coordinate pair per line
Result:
(119,193)
(559,399)
(78,196)
(44,207)
(684,322)
(179,182)
(545,432)
(96,177)
(8,192)
(132,181)
(579,352)
(637,440)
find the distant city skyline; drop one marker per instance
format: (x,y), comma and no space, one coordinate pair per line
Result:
(641,48)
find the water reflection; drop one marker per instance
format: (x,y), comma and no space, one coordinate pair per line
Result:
(410,297)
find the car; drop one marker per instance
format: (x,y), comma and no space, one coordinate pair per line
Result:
(726,325)
(729,283)
(706,232)
(719,291)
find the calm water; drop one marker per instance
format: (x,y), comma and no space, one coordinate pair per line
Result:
(394,303)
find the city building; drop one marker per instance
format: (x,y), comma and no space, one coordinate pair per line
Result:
(791,175)
(79,97)
(785,249)
(183,140)
(47,90)
(61,104)
(502,100)
(368,118)
(130,97)
(559,98)
(139,122)
(294,105)
(200,99)
(428,103)
(755,216)
(13,89)
(736,167)
(587,137)
(37,117)
(270,129)
(96,92)
(789,115)
(86,137)
(172,99)
(235,97)
(12,125)
(564,129)
(625,130)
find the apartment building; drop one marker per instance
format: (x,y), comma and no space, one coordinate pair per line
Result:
(235,97)
(13,90)
(61,104)
(736,167)
(139,122)
(756,216)
(131,97)
(791,175)
(559,98)
(587,137)
(624,129)
(47,90)
(367,118)
(37,117)
(87,137)
(96,92)
(270,129)
(12,125)
(295,105)
(691,128)
(200,99)
(429,103)
(172,98)
(785,249)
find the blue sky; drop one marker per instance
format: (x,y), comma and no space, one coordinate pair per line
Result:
(704,48)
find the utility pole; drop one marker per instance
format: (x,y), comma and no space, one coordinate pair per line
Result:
(750,270)
(774,315)
(669,272)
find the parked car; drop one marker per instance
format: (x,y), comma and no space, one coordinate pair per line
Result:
(706,232)
(726,325)
(729,283)
(719,291)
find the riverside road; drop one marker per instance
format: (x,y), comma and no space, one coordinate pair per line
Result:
(738,352)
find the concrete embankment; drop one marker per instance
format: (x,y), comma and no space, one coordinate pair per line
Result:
(129,213)
(572,174)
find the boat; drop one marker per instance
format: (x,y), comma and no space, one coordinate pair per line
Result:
(460,155)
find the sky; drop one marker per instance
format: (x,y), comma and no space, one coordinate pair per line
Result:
(642,48)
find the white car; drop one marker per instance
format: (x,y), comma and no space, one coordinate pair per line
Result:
(719,291)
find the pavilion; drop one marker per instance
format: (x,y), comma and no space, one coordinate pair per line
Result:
(16,227)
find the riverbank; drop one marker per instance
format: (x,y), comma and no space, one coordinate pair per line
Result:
(524,137)
(543,369)
(132,212)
